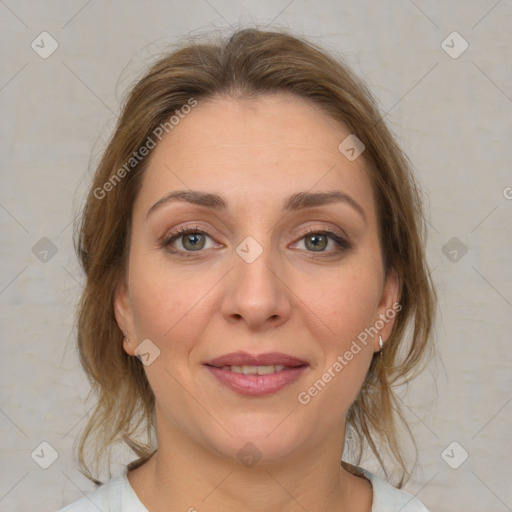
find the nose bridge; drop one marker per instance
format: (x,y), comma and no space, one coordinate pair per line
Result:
(256,293)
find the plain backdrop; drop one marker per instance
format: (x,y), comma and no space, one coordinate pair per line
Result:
(451,110)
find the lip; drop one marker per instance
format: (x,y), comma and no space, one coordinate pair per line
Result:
(246,359)
(256,385)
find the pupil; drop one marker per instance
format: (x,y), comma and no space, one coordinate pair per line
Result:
(194,241)
(318,241)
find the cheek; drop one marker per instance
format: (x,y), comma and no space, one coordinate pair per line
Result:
(344,303)
(339,309)
(168,305)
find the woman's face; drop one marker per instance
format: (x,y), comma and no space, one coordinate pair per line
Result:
(248,325)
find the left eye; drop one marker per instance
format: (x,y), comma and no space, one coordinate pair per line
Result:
(319,241)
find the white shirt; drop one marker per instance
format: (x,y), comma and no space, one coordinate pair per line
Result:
(117,495)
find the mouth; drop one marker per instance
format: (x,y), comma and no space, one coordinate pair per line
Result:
(255,370)
(256,375)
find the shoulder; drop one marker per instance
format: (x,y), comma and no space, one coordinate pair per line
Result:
(387,498)
(114,496)
(98,499)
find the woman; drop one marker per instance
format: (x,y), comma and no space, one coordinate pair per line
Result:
(253,245)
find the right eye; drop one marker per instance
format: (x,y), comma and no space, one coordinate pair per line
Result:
(190,238)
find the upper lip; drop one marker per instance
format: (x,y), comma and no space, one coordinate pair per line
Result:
(246,359)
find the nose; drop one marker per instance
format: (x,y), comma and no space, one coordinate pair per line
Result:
(256,294)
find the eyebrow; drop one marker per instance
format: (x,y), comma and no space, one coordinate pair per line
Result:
(298,201)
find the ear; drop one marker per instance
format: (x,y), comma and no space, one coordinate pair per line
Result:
(124,316)
(388,308)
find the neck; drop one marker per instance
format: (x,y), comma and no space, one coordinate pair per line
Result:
(183,476)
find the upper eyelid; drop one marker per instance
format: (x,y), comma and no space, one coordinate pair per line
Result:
(207,231)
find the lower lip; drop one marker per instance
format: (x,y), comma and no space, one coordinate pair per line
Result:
(257,385)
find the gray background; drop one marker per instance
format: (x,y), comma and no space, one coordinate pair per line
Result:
(453,117)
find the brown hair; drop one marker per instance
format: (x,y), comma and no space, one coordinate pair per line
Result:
(248,63)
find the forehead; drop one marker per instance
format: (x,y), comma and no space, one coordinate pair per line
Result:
(249,149)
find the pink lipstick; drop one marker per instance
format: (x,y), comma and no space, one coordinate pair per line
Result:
(256,375)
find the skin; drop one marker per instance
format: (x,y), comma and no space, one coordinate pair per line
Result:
(291,299)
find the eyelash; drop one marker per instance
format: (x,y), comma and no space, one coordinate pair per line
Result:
(342,243)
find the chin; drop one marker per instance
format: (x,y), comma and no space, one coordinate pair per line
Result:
(257,439)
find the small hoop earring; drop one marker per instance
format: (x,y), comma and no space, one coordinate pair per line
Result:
(381,343)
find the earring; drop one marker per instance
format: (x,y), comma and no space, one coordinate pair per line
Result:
(381,344)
